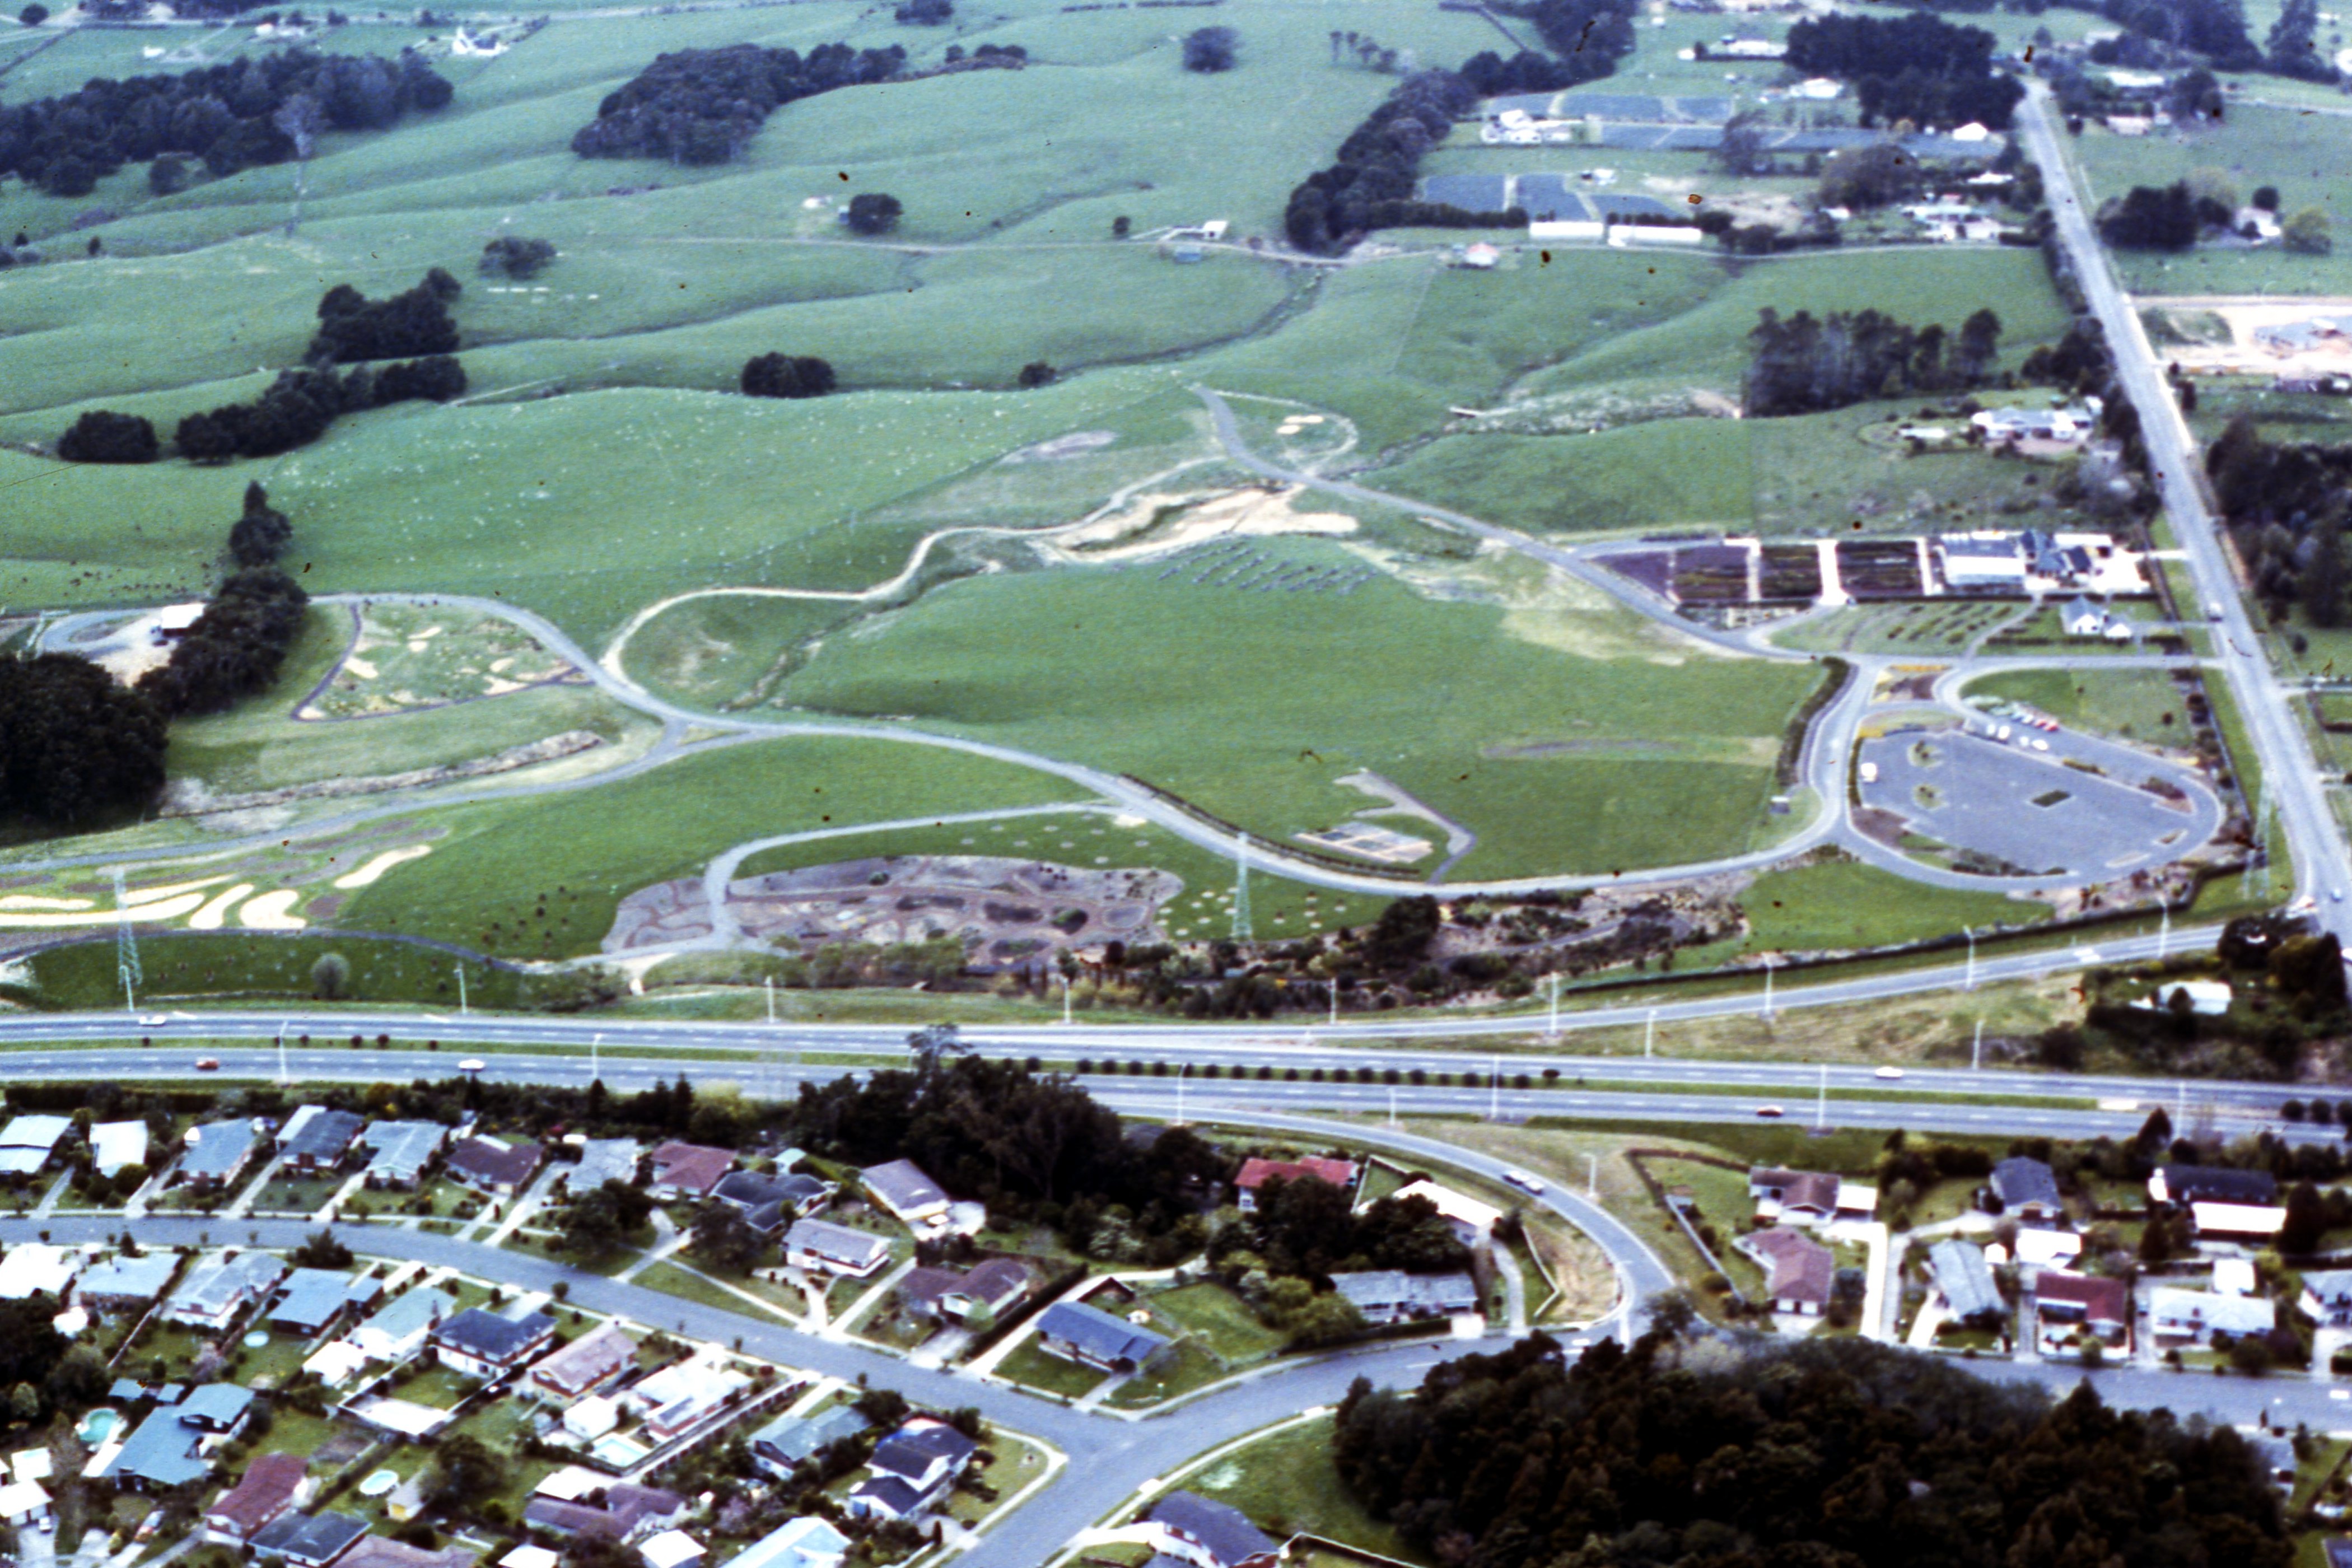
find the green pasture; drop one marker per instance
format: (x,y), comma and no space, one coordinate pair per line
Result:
(574,856)
(1638,751)
(2301,154)
(2133,704)
(1846,904)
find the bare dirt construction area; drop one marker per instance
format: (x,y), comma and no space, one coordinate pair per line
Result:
(406,657)
(2232,334)
(1158,523)
(1004,911)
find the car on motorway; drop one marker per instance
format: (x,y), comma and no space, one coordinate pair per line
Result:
(1888,1072)
(1773,1110)
(2213,610)
(472,1064)
(1524,1181)
(2335,895)
(154,1020)
(208,1064)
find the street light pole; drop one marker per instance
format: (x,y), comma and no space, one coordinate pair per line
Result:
(281,1055)
(1649,1033)
(461,991)
(1592,1177)
(1495,1089)
(1976,1052)
(1970,984)
(1066,998)
(1821,1102)
(1551,1029)
(1767,990)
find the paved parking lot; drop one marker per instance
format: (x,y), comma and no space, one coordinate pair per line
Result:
(2028,808)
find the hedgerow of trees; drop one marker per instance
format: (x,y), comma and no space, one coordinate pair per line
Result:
(299,406)
(2287,503)
(235,647)
(75,745)
(1917,68)
(1373,181)
(2213,29)
(1830,1454)
(924,13)
(703,106)
(259,536)
(1805,365)
(228,115)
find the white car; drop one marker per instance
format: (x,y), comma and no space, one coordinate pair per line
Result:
(1888,1073)
(472,1064)
(154,1020)
(2039,745)
(1523,1181)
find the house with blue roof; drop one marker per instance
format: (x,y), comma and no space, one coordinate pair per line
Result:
(1092,1337)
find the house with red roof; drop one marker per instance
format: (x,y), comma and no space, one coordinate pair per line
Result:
(1256,1172)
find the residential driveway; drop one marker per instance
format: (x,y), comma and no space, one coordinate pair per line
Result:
(2029,809)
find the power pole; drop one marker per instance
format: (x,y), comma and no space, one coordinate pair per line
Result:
(126,949)
(1241,893)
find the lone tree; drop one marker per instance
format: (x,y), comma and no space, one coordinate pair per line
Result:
(872,212)
(511,258)
(261,535)
(103,437)
(33,16)
(1037,373)
(787,375)
(330,976)
(1211,49)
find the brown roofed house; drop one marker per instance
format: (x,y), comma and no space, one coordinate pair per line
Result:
(1801,1273)
(2103,1307)
(627,1512)
(270,1485)
(584,1365)
(1799,1196)
(1256,1172)
(494,1166)
(688,1170)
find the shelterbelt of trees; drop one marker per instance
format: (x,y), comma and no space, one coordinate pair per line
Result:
(1712,1453)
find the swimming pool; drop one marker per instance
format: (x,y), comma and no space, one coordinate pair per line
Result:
(98,1425)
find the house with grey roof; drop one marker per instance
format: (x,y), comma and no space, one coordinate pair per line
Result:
(399,1328)
(789,1440)
(1965,1281)
(768,1204)
(480,1343)
(1210,1534)
(171,1448)
(316,1139)
(1391,1296)
(400,1151)
(315,1297)
(309,1541)
(27,1142)
(217,1154)
(604,1160)
(900,1186)
(217,1291)
(1076,1332)
(121,1282)
(2327,1296)
(822,1246)
(2027,1189)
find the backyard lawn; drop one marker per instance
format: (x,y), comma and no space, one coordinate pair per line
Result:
(1286,1481)
(1049,1373)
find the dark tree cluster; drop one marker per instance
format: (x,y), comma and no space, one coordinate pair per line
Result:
(1212,49)
(1917,68)
(1805,365)
(2287,504)
(1832,1454)
(297,407)
(413,322)
(703,106)
(924,13)
(2158,217)
(1371,184)
(1304,1229)
(787,375)
(1589,36)
(235,649)
(2295,42)
(1492,76)
(228,115)
(518,258)
(261,535)
(1003,57)
(2215,30)
(75,745)
(1032,1146)
(872,213)
(103,437)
